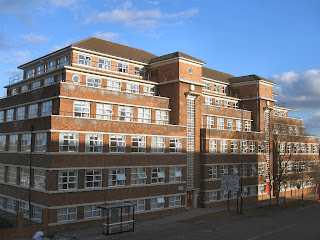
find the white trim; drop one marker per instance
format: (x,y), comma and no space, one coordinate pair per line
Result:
(183,81)
(215,81)
(224,116)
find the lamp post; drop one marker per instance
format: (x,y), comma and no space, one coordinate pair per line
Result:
(241,160)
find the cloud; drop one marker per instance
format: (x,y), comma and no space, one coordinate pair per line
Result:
(35,39)
(152,2)
(129,16)
(287,77)
(106,35)
(5,46)
(58,47)
(12,72)
(15,57)
(61,3)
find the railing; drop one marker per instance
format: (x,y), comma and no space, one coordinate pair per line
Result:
(16,78)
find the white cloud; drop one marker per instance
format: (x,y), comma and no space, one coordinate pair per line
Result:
(152,2)
(287,77)
(61,3)
(58,47)
(129,16)
(106,35)
(15,57)
(316,114)
(35,39)
(12,72)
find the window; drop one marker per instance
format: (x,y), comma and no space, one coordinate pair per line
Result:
(2,171)
(244,146)
(13,143)
(224,146)
(104,111)
(282,147)
(161,117)
(235,105)
(1,202)
(289,167)
(309,148)
(208,100)
(113,85)
(314,148)
(207,85)
(261,189)
(64,60)
(94,142)
(284,129)
(174,201)
(277,128)
(35,85)
(218,102)
(11,205)
(69,142)
(138,144)
(149,90)
(39,178)
(132,88)
(158,144)
(296,148)
(157,175)
(234,146)
(227,104)
(68,179)
(139,205)
(243,170)
(175,144)
(76,78)
(260,169)
(175,174)
(24,88)
(1,116)
(93,178)
(138,176)
(30,73)
(41,142)
(213,172)
(157,203)
(261,147)
(210,121)
(125,113)
(289,148)
(10,114)
(12,175)
(290,130)
(224,89)
(33,111)
(220,123)
(81,109)
(144,115)
(253,170)
(238,125)
(85,60)
(24,207)
(230,124)
(26,142)
(46,108)
(122,67)
(138,71)
(92,211)
(14,91)
(117,177)
(224,169)
(3,139)
(216,88)
(296,131)
(223,195)
(253,190)
(247,126)
(213,196)
(104,63)
(296,167)
(51,65)
(20,113)
(234,169)
(212,146)
(94,82)
(117,143)
(48,81)
(303,148)
(67,214)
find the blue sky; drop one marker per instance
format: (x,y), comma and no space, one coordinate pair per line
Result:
(278,40)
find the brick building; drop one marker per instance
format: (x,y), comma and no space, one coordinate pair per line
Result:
(98,122)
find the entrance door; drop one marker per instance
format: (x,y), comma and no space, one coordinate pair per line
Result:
(189,199)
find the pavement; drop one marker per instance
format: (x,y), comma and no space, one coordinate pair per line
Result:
(191,217)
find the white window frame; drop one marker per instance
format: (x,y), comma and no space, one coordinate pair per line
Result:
(13,143)
(41,142)
(247,126)
(33,111)
(174,201)
(234,146)
(122,67)
(144,115)
(149,90)
(117,143)
(67,180)
(162,117)
(157,203)
(210,122)
(117,177)
(175,174)
(138,144)
(213,172)
(139,205)
(213,196)
(220,123)
(84,59)
(104,63)
(104,111)
(158,144)
(230,124)
(67,214)
(224,146)
(218,102)
(11,205)
(91,211)
(94,142)
(132,88)
(69,142)
(157,175)
(10,115)
(93,82)
(93,178)
(175,144)
(21,113)
(114,85)
(26,142)
(138,176)
(39,179)
(46,108)
(81,109)
(125,113)
(12,175)
(213,145)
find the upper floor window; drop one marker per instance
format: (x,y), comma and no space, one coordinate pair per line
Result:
(138,144)
(69,142)
(26,142)
(2,172)
(113,85)
(25,88)
(158,144)
(132,88)
(303,148)
(40,69)
(125,113)
(218,102)
(230,124)
(247,126)
(14,91)
(207,85)
(68,179)
(30,73)
(216,87)
(117,177)
(260,147)
(41,142)
(148,90)
(3,142)
(81,109)
(1,116)
(220,123)
(51,65)
(175,174)
(252,146)
(104,111)
(277,128)
(92,211)
(314,148)
(213,172)
(24,177)
(10,115)
(290,132)
(94,142)
(13,143)
(284,129)
(117,143)
(208,100)
(238,125)
(157,175)
(12,175)
(235,105)
(46,108)
(123,67)
(213,145)
(93,178)
(35,85)
(144,115)
(85,60)
(227,104)
(210,121)
(309,148)
(224,89)
(138,71)
(234,146)
(76,78)
(39,178)
(175,144)
(48,81)
(296,130)
(224,146)
(161,117)
(64,60)
(94,82)
(138,176)
(104,63)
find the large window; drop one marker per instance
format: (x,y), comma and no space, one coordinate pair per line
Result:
(208,101)
(132,88)
(37,213)
(67,214)
(94,82)
(13,143)
(68,179)
(149,90)
(157,203)
(85,60)
(11,205)
(234,146)
(41,142)
(33,111)
(29,73)
(113,85)
(157,175)
(220,123)
(46,108)
(10,115)
(158,144)
(139,205)
(81,109)
(24,207)
(117,177)
(213,196)
(247,126)
(12,175)
(39,178)
(175,144)
(20,113)
(64,60)
(1,116)
(104,111)
(218,102)
(92,211)
(138,176)
(104,63)
(213,145)
(174,201)
(162,117)
(224,170)
(26,142)
(117,143)
(138,144)
(69,142)
(2,171)
(261,147)
(230,124)
(213,172)
(224,146)
(125,113)
(35,85)
(94,142)
(123,67)
(210,121)
(48,81)
(51,65)
(252,146)
(175,174)
(144,115)
(93,178)
(3,140)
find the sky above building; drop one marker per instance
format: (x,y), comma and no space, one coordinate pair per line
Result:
(278,40)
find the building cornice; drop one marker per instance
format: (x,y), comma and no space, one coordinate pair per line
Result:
(183,81)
